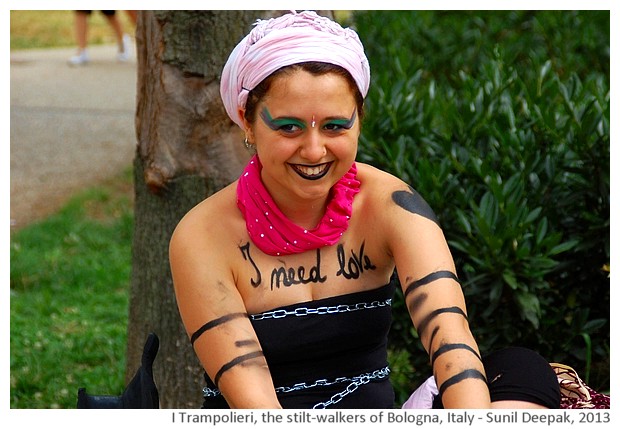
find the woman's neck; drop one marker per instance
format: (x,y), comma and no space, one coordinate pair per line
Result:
(304,213)
(291,223)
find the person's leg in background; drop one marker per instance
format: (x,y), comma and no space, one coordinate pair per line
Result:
(123,40)
(81,34)
(133,16)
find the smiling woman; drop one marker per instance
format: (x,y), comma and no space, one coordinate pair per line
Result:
(283,278)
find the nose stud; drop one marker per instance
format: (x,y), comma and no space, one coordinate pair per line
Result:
(313,122)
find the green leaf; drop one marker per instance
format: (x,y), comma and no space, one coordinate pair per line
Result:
(541,231)
(533,215)
(530,307)
(592,326)
(464,221)
(563,247)
(541,76)
(509,278)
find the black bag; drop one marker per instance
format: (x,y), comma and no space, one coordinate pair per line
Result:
(141,392)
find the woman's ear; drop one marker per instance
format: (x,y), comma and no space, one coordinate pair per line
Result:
(241,113)
(247,126)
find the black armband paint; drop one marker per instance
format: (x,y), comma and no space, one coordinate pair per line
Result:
(214,323)
(429,279)
(414,203)
(448,347)
(245,343)
(236,361)
(424,323)
(432,339)
(465,375)
(417,302)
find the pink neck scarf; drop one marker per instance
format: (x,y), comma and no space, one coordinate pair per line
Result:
(273,233)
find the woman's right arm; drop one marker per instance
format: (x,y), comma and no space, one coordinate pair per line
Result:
(215,316)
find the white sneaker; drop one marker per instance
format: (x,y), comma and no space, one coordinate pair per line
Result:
(125,55)
(80,59)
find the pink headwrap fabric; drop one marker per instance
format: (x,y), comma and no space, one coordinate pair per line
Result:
(289,39)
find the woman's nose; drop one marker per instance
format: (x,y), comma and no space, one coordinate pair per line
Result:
(313,148)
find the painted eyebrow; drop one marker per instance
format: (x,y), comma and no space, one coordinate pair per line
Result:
(344,123)
(444,274)
(276,124)
(236,361)
(215,322)
(461,376)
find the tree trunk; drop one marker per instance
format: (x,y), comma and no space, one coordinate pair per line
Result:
(187,149)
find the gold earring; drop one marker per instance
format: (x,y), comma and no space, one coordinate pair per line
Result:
(249,146)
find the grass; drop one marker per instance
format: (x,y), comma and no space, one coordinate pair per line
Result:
(69,281)
(70,273)
(37,29)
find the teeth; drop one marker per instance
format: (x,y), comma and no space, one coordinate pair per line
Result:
(311,171)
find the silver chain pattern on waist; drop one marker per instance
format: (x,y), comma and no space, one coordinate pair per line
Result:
(304,311)
(354,383)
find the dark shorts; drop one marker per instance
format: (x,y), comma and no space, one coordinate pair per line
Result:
(519,374)
(105,12)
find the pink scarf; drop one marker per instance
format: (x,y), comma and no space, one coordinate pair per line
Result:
(273,233)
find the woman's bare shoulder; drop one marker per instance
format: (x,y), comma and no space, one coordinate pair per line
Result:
(210,218)
(378,184)
(389,198)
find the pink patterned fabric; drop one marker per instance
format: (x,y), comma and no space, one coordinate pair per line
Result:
(273,233)
(289,39)
(575,393)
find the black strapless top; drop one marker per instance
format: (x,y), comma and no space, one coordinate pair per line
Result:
(330,352)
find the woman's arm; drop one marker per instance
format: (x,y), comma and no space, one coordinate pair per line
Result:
(215,316)
(435,300)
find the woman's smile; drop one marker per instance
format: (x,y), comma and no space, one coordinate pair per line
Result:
(311,172)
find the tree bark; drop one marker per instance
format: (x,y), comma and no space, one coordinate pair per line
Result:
(187,148)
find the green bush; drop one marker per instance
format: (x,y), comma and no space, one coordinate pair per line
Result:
(501,121)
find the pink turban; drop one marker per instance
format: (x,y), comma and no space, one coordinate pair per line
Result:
(286,40)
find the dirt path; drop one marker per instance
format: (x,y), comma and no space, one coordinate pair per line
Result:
(71,127)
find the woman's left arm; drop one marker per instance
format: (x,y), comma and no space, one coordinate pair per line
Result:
(434,298)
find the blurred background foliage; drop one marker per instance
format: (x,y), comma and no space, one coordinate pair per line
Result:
(500,120)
